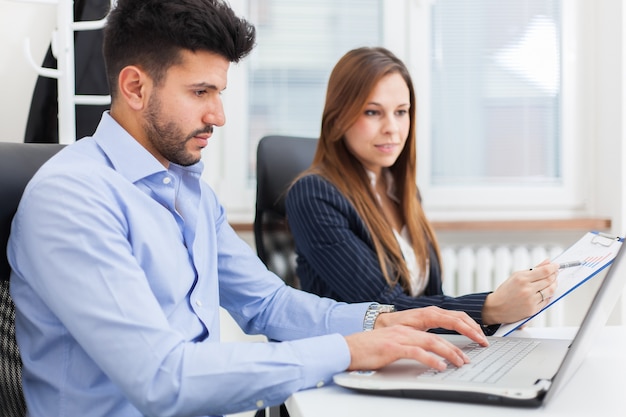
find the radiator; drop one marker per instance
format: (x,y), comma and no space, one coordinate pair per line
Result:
(469,269)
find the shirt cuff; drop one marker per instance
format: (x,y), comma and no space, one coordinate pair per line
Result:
(322,357)
(348,319)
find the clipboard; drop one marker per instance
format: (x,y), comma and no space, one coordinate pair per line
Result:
(595,251)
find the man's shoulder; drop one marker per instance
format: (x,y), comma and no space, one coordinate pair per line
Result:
(84,152)
(80,167)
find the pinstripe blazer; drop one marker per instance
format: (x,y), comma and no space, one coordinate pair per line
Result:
(336,256)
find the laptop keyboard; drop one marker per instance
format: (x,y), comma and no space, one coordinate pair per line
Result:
(487,364)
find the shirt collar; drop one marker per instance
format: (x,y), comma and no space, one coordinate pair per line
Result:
(127,156)
(391,184)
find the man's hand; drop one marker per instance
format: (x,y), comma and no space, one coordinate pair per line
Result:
(402,335)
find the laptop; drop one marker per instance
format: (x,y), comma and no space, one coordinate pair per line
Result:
(528,375)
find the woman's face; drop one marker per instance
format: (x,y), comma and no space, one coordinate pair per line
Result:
(378,136)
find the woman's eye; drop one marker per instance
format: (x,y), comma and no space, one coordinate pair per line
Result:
(371,112)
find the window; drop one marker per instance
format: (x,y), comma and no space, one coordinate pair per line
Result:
(496,135)
(497,125)
(495,92)
(298,43)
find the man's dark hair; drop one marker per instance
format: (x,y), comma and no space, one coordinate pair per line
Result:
(152,33)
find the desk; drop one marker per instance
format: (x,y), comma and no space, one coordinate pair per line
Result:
(598,388)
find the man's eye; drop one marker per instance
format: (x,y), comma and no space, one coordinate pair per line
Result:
(200,92)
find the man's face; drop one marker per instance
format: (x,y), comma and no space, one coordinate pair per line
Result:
(182,110)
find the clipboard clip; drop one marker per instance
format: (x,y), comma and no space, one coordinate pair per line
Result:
(604,239)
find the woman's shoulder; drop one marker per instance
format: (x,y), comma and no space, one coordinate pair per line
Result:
(313,193)
(312,181)
(313,185)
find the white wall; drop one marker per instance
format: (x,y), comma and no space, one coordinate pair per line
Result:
(19,20)
(607,144)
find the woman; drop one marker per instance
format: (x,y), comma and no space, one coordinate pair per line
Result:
(355,214)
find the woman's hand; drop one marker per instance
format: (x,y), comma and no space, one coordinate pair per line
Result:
(523,294)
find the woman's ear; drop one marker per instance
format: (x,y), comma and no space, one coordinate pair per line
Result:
(132,85)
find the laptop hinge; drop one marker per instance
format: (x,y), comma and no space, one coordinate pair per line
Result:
(543,384)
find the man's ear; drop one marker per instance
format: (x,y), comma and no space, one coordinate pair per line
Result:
(132,84)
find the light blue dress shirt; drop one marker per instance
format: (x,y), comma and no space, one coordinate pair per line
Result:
(119,267)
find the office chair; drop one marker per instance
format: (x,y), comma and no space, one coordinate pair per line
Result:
(18,163)
(279,160)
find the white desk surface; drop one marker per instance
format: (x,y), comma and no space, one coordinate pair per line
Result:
(598,388)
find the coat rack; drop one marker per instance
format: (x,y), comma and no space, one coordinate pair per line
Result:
(62,45)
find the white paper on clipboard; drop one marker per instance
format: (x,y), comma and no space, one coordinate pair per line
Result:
(595,250)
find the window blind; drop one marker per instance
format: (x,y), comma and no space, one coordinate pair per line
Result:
(495,92)
(298,44)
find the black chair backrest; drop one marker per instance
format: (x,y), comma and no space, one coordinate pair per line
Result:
(279,160)
(18,163)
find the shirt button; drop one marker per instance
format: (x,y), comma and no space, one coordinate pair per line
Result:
(199,303)
(320,384)
(260,404)
(167,180)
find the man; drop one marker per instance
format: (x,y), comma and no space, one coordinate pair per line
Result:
(121,255)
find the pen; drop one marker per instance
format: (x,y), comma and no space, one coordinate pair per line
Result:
(570,264)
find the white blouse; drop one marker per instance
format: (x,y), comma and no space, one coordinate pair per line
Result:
(419,278)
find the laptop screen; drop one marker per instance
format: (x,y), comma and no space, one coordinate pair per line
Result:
(609,286)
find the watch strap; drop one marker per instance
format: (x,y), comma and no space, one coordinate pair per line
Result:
(372,313)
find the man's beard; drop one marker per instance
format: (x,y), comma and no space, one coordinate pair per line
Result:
(167,138)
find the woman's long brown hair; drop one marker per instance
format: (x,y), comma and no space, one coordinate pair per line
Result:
(350,84)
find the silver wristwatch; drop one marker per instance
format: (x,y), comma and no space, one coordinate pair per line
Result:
(372,314)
